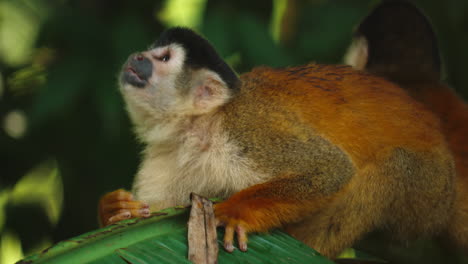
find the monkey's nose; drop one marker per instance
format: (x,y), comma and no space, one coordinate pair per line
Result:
(137,71)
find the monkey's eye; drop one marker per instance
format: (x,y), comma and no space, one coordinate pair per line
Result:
(165,58)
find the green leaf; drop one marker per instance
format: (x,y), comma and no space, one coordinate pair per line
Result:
(162,238)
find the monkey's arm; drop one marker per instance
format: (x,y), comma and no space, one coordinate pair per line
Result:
(268,205)
(119,205)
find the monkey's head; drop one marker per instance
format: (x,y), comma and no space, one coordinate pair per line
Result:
(180,76)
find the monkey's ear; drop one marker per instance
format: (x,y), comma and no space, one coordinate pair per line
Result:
(210,92)
(396,41)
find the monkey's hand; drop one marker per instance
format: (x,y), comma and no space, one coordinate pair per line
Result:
(119,205)
(263,207)
(232,226)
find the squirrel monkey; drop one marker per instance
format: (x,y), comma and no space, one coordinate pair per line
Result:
(405,51)
(327,152)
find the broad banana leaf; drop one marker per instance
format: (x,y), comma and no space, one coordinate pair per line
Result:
(162,238)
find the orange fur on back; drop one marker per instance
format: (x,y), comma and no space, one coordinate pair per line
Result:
(342,104)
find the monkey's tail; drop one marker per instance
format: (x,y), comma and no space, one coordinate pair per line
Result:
(396,41)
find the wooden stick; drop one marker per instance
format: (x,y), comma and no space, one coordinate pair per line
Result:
(202,238)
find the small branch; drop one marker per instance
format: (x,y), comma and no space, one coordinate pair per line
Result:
(202,238)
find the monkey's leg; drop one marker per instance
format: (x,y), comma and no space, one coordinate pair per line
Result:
(365,204)
(340,225)
(119,205)
(268,205)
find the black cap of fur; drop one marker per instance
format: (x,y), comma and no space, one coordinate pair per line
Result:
(200,53)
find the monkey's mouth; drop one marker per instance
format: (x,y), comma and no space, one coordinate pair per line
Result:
(137,71)
(131,70)
(134,73)
(131,76)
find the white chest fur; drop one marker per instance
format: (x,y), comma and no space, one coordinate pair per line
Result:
(201,161)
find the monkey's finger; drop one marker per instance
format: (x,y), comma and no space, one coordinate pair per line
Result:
(241,238)
(125,214)
(124,205)
(229,238)
(142,212)
(121,214)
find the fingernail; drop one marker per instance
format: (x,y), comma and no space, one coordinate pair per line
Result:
(229,247)
(243,247)
(145,212)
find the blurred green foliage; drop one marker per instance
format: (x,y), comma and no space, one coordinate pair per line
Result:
(62,118)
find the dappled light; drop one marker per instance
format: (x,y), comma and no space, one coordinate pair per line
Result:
(10,247)
(19,29)
(26,80)
(41,187)
(279,8)
(187,13)
(15,124)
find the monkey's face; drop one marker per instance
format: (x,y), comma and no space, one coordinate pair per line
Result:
(179,77)
(150,80)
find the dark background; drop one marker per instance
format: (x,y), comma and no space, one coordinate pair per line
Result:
(65,138)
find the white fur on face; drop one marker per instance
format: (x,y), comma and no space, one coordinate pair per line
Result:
(163,69)
(174,92)
(150,105)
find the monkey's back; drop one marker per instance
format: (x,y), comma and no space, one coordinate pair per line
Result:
(380,150)
(363,114)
